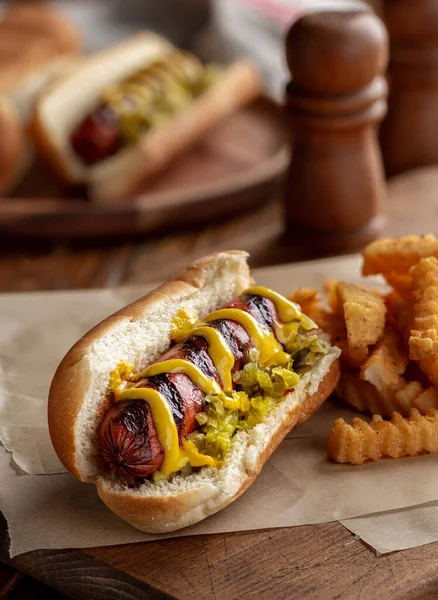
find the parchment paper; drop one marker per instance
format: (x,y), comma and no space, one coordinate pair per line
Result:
(36,330)
(398,529)
(48,509)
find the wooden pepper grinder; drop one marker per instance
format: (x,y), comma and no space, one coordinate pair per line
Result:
(409,136)
(335,185)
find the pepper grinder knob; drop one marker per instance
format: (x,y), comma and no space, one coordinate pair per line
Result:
(335,185)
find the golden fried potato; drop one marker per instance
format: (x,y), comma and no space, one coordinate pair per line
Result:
(423,341)
(361,395)
(353,357)
(401,398)
(386,364)
(363,441)
(335,326)
(364,314)
(400,283)
(405,398)
(331,290)
(384,370)
(397,255)
(400,314)
(426,400)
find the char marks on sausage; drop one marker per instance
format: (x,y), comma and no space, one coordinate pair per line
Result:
(195,350)
(262,309)
(236,338)
(183,396)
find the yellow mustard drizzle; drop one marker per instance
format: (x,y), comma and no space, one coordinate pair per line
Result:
(287,310)
(185,325)
(219,352)
(290,314)
(271,352)
(179,365)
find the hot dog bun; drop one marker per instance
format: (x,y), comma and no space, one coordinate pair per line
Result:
(113,179)
(36,45)
(140,333)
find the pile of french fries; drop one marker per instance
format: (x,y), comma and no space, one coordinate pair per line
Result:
(389,346)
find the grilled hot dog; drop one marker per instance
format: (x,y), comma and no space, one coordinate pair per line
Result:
(172,405)
(118,119)
(128,438)
(150,96)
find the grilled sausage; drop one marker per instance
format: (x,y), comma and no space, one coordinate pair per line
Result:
(97,136)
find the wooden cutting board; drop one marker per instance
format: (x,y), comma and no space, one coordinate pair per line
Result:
(233,168)
(315,561)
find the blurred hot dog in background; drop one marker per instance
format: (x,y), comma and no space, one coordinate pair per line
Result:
(37,44)
(41,40)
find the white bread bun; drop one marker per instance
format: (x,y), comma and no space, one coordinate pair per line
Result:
(140,333)
(113,179)
(36,45)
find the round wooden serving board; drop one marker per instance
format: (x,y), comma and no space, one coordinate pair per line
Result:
(233,168)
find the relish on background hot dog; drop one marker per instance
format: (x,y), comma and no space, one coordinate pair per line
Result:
(172,405)
(127,111)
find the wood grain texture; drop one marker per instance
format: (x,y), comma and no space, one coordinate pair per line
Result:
(17,586)
(411,208)
(60,268)
(322,561)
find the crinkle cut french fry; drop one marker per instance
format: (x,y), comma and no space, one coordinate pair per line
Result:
(364,397)
(400,314)
(423,341)
(386,364)
(364,441)
(398,255)
(335,326)
(333,300)
(426,400)
(401,283)
(384,370)
(405,398)
(364,313)
(361,395)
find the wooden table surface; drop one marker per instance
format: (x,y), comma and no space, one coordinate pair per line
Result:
(322,561)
